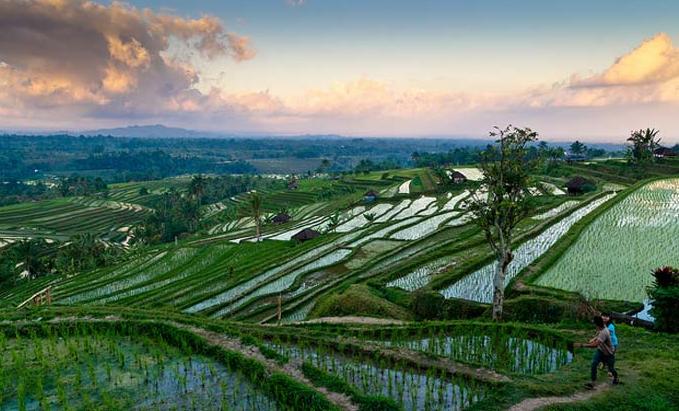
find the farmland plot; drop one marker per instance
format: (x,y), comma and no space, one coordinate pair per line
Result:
(556,210)
(394,211)
(413,390)
(109,372)
(498,351)
(454,201)
(473,174)
(422,275)
(415,207)
(614,255)
(384,232)
(423,228)
(404,188)
(478,286)
(552,189)
(283,283)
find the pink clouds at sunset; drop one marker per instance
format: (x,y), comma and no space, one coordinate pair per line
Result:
(64,63)
(102,60)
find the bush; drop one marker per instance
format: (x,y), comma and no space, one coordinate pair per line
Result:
(427,305)
(539,310)
(665,295)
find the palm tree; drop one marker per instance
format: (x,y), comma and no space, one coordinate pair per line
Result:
(333,221)
(27,252)
(370,217)
(255,201)
(643,144)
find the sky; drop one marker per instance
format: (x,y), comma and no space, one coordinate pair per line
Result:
(577,69)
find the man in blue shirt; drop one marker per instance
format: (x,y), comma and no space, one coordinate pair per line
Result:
(603,351)
(611,329)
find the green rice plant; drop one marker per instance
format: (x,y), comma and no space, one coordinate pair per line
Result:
(612,257)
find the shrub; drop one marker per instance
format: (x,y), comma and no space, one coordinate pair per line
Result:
(665,295)
(540,310)
(427,305)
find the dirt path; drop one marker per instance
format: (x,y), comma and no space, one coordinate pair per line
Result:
(531,404)
(352,320)
(292,368)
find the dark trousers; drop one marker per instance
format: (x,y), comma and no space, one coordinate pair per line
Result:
(608,360)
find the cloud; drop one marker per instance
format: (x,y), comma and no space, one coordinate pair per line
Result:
(105,60)
(648,74)
(295,3)
(656,60)
(75,62)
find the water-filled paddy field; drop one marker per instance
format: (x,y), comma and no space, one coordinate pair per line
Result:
(117,372)
(613,257)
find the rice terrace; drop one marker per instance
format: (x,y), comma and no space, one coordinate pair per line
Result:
(299,240)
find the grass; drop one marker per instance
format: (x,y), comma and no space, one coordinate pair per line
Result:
(358,300)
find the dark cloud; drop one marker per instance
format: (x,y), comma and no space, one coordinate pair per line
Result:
(104,59)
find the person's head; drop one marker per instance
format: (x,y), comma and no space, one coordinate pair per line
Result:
(598,321)
(606,317)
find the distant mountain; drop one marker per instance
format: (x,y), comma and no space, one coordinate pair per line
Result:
(150,131)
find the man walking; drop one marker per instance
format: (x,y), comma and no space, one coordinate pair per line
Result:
(604,351)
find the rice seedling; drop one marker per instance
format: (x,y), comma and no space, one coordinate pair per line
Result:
(478,286)
(612,257)
(422,275)
(119,372)
(499,351)
(411,389)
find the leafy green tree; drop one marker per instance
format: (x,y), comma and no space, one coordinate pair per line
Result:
(643,142)
(665,296)
(324,166)
(507,179)
(578,148)
(8,272)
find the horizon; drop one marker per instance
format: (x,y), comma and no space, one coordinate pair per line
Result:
(265,135)
(384,69)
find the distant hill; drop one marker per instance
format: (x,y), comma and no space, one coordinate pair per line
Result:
(150,131)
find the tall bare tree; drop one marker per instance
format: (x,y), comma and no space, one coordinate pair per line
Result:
(506,179)
(255,202)
(197,187)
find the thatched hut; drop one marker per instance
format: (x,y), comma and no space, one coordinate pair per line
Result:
(305,235)
(457,178)
(281,218)
(578,185)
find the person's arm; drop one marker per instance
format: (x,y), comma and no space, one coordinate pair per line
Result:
(591,344)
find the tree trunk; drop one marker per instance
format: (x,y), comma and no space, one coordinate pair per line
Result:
(258,229)
(499,285)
